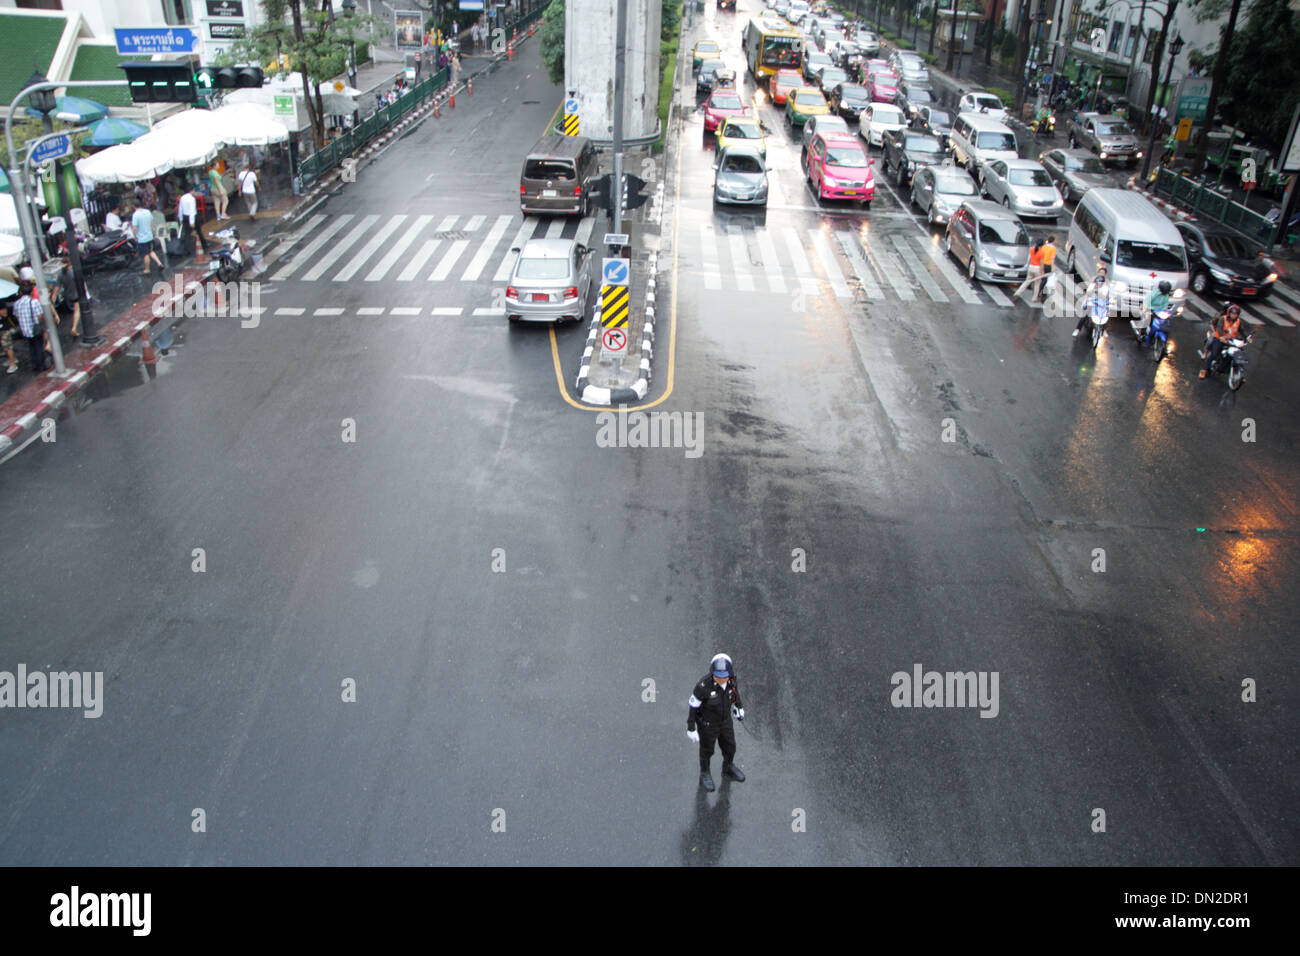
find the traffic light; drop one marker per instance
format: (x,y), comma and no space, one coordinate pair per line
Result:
(633,197)
(166,81)
(211,78)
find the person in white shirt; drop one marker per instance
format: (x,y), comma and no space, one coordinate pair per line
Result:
(187,211)
(248,186)
(113,220)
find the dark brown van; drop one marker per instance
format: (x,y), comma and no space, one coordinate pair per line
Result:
(557,175)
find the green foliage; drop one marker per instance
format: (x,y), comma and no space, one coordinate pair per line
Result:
(1263,75)
(1007,49)
(551,41)
(670,19)
(669,65)
(1006,96)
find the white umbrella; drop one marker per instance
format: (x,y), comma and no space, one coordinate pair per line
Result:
(8,217)
(249,124)
(180,146)
(11,249)
(119,164)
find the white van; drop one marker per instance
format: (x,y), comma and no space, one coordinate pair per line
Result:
(798,10)
(1140,244)
(976,138)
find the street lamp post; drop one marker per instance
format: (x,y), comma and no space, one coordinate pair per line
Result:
(349,11)
(1175,47)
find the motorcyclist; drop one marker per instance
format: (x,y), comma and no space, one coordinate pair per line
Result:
(1223,330)
(1098,291)
(1158,299)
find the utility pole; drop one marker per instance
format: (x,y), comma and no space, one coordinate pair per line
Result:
(988,35)
(620,68)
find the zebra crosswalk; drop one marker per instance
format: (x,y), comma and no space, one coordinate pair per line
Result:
(413,248)
(1280,310)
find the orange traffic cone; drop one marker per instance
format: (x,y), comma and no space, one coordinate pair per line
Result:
(451,100)
(530,29)
(469,85)
(510,50)
(437,107)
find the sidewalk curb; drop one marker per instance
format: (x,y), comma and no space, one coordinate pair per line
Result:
(1168,208)
(598,395)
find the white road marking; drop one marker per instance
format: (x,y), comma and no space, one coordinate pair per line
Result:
(309,250)
(342,246)
(861,269)
(887,266)
(278,252)
(995,294)
(1257,308)
(771,264)
(556,229)
(447,310)
(448,223)
(406,310)
(289,311)
(390,258)
(585,228)
(370,310)
(807,281)
(709,259)
(833,274)
(485,250)
(443,268)
(955,278)
(508,263)
(474,223)
(328,311)
(740,259)
(370,248)
(489,311)
(922,274)
(415,265)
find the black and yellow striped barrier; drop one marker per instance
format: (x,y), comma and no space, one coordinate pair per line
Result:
(613,306)
(571,124)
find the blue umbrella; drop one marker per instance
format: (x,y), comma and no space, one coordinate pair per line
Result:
(111,131)
(4,181)
(74,109)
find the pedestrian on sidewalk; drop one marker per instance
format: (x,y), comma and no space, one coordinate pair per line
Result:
(248,186)
(71,299)
(142,226)
(220,198)
(7,337)
(187,211)
(473,36)
(713,704)
(27,310)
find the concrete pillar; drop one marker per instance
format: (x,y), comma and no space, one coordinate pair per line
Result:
(589,44)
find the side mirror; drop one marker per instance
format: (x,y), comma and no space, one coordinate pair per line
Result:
(582,250)
(514,249)
(1105,256)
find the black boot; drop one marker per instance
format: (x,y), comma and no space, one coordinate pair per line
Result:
(734,772)
(706,781)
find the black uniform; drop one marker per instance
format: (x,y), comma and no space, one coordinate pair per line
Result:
(710,708)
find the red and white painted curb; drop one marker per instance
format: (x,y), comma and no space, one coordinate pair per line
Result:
(1168,208)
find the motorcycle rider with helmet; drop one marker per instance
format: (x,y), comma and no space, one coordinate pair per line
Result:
(1223,330)
(1158,299)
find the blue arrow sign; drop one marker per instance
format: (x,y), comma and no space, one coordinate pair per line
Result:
(570,106)
(56,147)
(145,40)
(614,271)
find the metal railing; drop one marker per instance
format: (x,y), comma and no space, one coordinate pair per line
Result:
(1209,203)
(370,128)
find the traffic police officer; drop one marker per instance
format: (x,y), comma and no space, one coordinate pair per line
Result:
(714,702)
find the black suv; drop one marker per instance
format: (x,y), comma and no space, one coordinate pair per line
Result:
(907,150)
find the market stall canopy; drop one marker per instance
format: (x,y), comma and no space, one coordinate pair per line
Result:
(163,149)
(74,109)
(11,253)
(111,131)
(249,124)
(337,100)
(8,216)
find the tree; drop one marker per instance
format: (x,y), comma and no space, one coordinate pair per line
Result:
(551,41)
(297,37)
(1262,76)
(1220,65)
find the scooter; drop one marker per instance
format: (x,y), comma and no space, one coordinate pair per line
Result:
(1232,361)
(1156,335)
(109,250)
(1045,126)
(1098,316)
(230,259)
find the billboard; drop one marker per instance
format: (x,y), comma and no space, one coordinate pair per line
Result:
(408,26)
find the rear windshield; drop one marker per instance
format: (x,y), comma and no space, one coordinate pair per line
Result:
(995,140)
(989,102)
(1003,232)
(833,75)
(741,131)
(542,269)
(940,120)
(1089,165)
(742,164)
(1155,256)
(955,185)
(853,93)
(725,102)
(919,96)
(1029,177)
(548,169)
(846,156)
(922,144)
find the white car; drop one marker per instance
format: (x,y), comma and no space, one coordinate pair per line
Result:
(977,101)
(867,42)
(1023,186)
(879,119)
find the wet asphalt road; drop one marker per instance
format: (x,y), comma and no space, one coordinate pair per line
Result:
(522,690)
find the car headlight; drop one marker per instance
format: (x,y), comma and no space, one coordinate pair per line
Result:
(1272,277)
(1220,275)
(986,259)
(1102,154)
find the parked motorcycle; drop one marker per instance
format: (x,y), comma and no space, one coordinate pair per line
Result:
(230,259)
(109,250)
(1232,361)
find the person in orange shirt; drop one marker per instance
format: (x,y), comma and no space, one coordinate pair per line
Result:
(1035,270)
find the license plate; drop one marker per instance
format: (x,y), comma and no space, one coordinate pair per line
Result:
(850,192)
(1249,290)
(548,194)
(541,297)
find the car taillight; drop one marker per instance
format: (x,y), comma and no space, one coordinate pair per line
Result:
(571,292)
(577,190)
(521,189)
(512,292)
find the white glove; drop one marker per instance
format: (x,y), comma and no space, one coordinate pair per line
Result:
(694,736)
(737,712)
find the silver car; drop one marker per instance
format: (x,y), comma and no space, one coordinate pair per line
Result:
(1022,186)
(990,241)
(550,281)
(1074,171)
(823,123)
(939,190)
(867,42)
(1108,136)
(740,176)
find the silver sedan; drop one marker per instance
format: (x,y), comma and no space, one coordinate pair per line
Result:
(1022,186)
(550,281)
